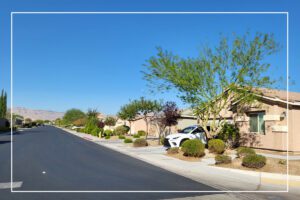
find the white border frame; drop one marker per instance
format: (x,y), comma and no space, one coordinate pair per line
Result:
(147,191)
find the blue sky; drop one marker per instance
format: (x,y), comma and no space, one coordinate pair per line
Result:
(95,61)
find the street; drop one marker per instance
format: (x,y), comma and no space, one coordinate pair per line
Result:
(49,159)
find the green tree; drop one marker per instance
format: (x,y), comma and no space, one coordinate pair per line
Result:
(229,72)
(110,121)
(91,125)
(145,108)
(128,112)
(72,115)
(3,104)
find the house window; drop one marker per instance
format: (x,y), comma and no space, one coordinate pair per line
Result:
(257,123)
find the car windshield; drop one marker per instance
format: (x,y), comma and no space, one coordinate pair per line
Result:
(187,130)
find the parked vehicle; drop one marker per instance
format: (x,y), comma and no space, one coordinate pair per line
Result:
(188,133)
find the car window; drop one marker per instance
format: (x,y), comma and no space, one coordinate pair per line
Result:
(198,130)
(187,130)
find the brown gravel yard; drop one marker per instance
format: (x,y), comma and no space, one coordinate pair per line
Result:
(272,166)
(180,156)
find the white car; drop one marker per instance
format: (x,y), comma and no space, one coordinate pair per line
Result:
(188,133)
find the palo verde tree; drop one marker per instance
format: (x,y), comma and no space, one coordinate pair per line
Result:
(110,121)
(128,112)
(3,104)
(229,72)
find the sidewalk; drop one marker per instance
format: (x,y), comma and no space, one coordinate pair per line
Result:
(220,178)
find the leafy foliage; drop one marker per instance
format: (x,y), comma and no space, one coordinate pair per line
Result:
(227,73)
(110,121)
(80,122)
(222,159)
(3,104)
(216,146)
(136,136)
(121,130)
(254,161)
(141,133)
(122,137)
(108,132)
(244,151)
(141,142)
(127,140)
(230,135)
(71,115)
(193,148)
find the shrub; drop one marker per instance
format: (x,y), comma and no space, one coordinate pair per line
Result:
(141,133)
(194,148)
(173,150)
(162,140)
(282,162)
(95,131)
(216,146)
(121,137)
(254,161)
(220,159)
(141,142)
(243,151)
(230,134)
(107,132)
(127,140)
(107,137)
(121,130)
(136,136)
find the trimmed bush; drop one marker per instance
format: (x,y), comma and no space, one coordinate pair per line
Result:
(141,133)
(136,136)
(121,130)
(243,151)
(107,137)
(254,161)
(162,139)
(216,146)
(141,142)
(173,150)
(193,148)
(121,137)
(127,140)
(220,159)
(107,132)
(230,134)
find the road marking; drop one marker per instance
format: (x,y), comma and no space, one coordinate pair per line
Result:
(8,185)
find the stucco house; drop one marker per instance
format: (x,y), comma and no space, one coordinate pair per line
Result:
(268,124)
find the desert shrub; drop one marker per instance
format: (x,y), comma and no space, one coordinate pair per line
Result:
(121,137)
(173,150)
(162,140)
(107,137)
(220,159)
(136,136)
(127,140)
(107,132)
(193,148)
(254,161)
(216,146)
(141,133)
(141,142)
(95,131)
(230,134)
(91,125)
(121,130)
(243,151)
(282,162)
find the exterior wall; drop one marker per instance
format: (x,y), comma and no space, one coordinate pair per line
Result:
(184,122)
(276,128)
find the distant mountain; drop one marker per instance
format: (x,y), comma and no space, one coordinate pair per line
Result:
(37,114)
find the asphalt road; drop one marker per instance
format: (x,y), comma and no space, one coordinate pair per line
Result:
(47,159)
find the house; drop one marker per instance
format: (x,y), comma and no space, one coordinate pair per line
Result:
(268,124)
